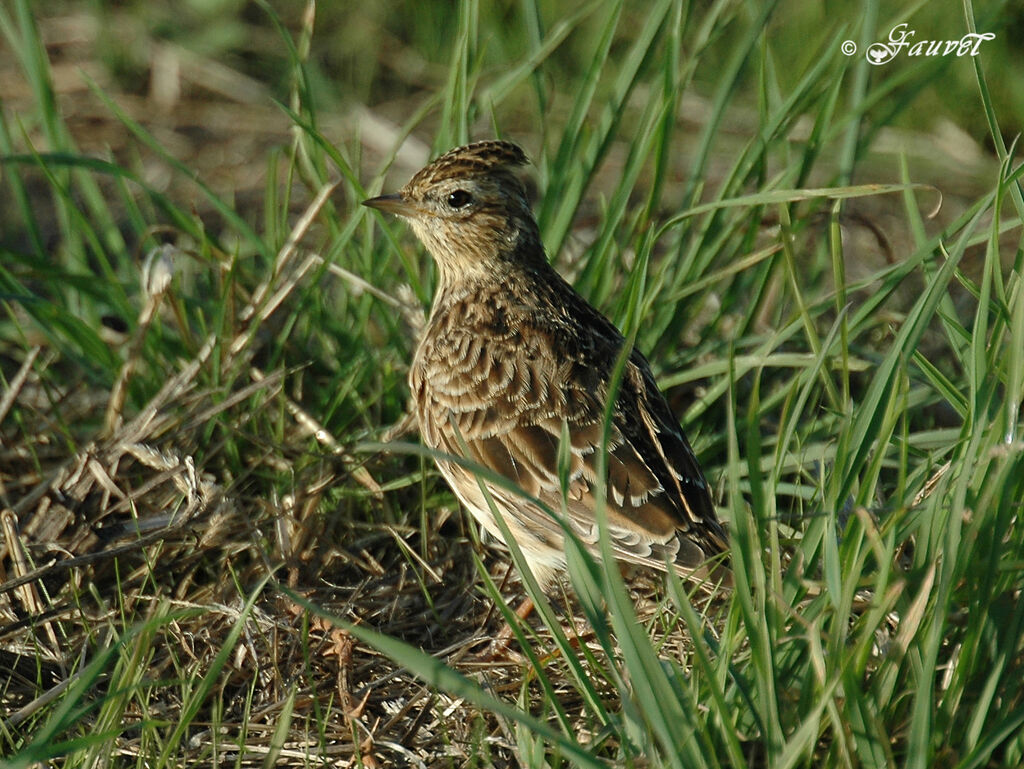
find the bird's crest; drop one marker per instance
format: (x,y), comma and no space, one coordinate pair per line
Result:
(471,160)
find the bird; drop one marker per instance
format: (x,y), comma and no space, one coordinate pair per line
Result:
(512,358)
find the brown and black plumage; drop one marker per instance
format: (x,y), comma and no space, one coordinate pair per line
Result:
(511,352)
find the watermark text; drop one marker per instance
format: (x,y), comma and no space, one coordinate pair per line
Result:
(901,37)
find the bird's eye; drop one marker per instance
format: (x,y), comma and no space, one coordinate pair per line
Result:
(459,199)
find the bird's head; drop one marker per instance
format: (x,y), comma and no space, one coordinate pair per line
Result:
(470,210)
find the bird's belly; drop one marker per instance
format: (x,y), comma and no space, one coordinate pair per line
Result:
(544,551)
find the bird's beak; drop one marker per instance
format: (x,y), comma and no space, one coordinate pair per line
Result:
(392,204)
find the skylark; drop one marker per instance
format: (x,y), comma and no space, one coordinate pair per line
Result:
(511,353)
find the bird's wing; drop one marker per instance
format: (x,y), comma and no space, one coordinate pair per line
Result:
(508,402)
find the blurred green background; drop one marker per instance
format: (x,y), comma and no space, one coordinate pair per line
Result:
(383,54)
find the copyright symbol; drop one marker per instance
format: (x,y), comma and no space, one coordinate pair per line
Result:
(849,48)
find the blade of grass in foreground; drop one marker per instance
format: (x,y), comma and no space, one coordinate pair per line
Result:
(750,590)
(196,692)
(666,710)
(435,673)
(867,421)
(121,666)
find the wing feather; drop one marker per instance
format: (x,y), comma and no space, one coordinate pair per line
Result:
(505,396)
